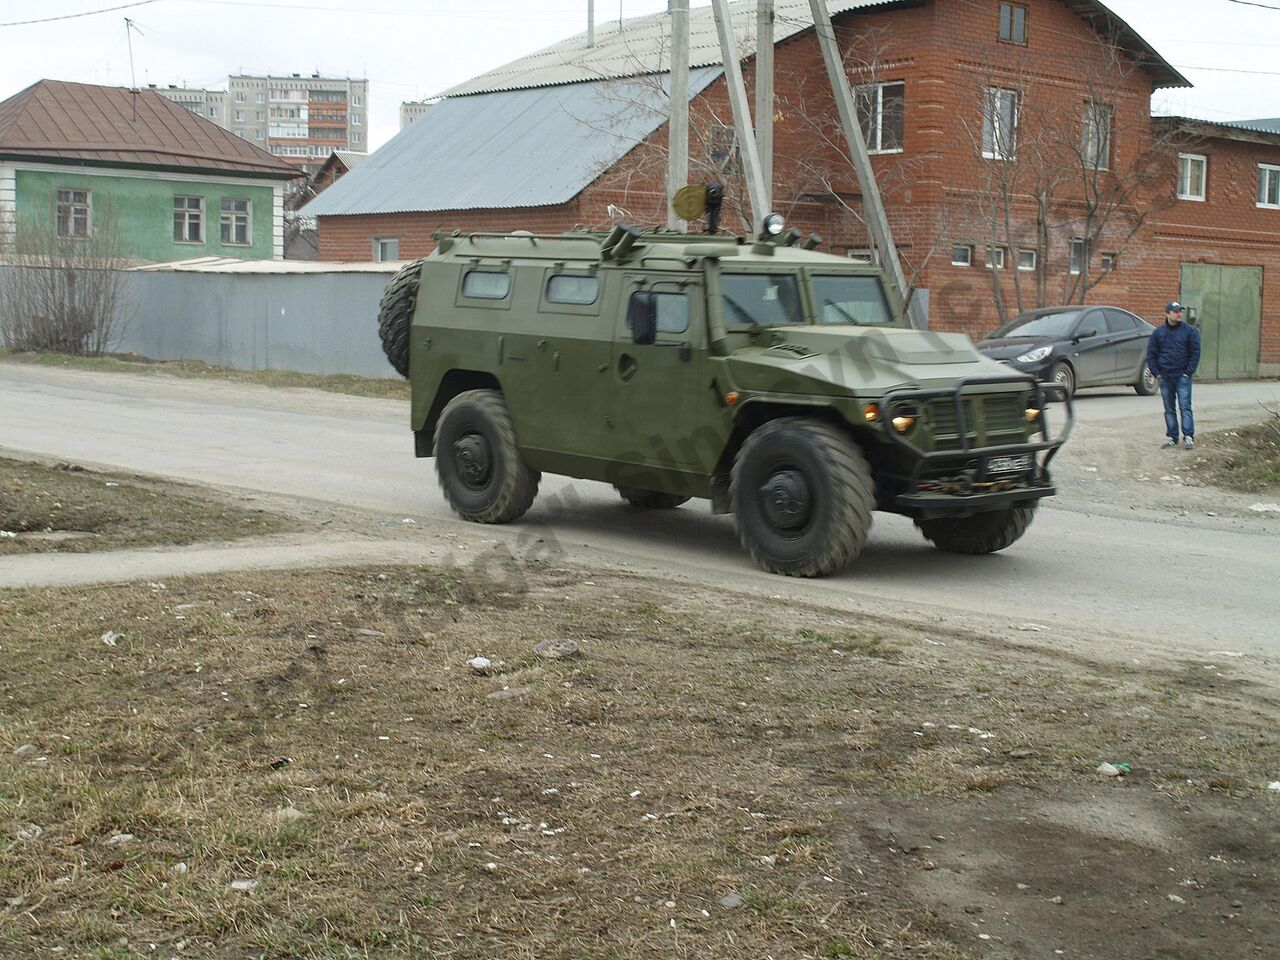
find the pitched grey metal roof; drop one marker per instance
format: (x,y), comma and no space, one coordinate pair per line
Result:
(1265,125)
(516,148)
(642,45)
(1248,131)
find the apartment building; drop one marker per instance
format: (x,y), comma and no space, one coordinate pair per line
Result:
(411,110)
(300,119)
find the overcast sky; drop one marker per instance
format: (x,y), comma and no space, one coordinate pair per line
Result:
(413,49)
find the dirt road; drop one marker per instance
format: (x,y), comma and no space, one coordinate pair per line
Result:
(1129,557)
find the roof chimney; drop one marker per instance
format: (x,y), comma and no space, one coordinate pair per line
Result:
(591,23)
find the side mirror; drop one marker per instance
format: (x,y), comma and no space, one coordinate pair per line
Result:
(642,317)
(1053,392)
(1086,334)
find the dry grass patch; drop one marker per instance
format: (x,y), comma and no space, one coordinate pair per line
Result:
(68,508)
(1246,459)
(321,736)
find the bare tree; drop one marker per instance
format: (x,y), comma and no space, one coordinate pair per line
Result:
(62,284)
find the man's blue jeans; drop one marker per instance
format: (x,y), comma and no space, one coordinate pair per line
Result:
(1177,394)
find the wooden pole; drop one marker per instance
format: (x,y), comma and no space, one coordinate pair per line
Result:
(764,95)
(741,114)
(678,124)
(872,204)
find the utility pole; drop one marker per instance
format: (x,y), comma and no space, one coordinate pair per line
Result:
(591,23)
(741,115)
(872,204)
(764,95)
(678,124)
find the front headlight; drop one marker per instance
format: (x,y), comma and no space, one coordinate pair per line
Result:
(1036,355)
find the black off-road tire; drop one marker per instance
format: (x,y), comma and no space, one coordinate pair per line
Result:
(980,533)
(1147,383)
(395,313)
(649,499)
(478,463)
(1063,374)
(822,529)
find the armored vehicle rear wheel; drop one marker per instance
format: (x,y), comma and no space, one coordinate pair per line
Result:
(481,472)
(981,533)
(395,313)
(649,499)
(803,494)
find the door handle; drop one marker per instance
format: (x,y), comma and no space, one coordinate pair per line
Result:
(627,366)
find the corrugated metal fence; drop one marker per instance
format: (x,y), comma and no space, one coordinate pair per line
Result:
(308,322)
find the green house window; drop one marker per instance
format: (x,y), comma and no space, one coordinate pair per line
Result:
(188,219)
(235,222)
(73,214)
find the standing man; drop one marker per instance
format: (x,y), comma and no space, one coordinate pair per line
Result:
(1173,353)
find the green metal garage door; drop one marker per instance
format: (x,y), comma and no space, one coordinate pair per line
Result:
(1228,306)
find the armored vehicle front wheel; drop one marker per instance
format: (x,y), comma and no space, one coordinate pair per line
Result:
(481,472)
(803,494)
(395,314)
(980,533)
(649,499)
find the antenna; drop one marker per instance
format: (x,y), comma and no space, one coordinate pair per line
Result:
(129,27)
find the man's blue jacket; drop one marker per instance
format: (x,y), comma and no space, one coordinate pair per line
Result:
(1173,351)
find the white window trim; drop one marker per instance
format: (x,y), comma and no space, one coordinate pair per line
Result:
(377,249)
(995,254)
(878,106)
(248,222)
(186,212)
(1035,261)
(1204,176)
(1275,171)
(88,212)
(1017,110)
(1074,270)
(1102,262)
(961,263)
(1103,160)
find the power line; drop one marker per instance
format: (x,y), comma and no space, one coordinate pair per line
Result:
(85,13)
(1250,3)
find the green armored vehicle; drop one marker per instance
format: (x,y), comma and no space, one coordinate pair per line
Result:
(782,384)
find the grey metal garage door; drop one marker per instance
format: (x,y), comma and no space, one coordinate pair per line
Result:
(1228,306)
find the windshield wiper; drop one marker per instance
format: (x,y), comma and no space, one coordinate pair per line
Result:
(739,309)
(842,311)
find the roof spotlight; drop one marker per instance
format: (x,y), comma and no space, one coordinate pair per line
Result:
(792,237)
(772,225)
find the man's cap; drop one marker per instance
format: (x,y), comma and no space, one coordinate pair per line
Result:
(1173,306)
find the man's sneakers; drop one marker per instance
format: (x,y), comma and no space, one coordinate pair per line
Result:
(1189,442)
(1169,445)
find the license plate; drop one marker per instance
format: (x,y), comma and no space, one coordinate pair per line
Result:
(1023,461)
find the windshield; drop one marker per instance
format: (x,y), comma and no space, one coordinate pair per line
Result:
(756,298)
(856,300)
(1049,325)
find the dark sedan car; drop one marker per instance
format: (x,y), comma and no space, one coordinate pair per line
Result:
(1076,346)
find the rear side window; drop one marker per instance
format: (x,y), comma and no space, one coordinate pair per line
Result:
(1120,322)
(486,285)
(570,289)
(673,312)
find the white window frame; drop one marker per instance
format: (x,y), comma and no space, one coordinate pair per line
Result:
(995,258)
(968,260)
(357,100)
(1077,262)
(1268,173)
(1184,182)
(259,98)
(1030,267)
(232,218)
(1107,262)
(875,144)
(355,119)
(357,136)
(186,211)
(1097,156)
(991,102)
(239,97)
(378,249)
(72,205)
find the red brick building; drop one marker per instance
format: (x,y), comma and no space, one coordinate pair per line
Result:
(1013,142)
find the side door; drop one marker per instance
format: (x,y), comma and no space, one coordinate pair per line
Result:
(656,396)
(1089,351)
(1128,344)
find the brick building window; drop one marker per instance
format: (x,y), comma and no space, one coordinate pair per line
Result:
(234,221)
(1095,144)
(386,248)
(188,219)
(1268,185)
(1192,168)
(1013,23)
(995,258)
(999,123)
(1078,250)
(73,214)
(722,149)
(881,112)
(1026,260)
(962,255)
(1108,262)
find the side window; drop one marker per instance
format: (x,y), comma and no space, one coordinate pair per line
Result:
(1093,320)
(1119,322)
(673,312)
(571,289)
(486,285)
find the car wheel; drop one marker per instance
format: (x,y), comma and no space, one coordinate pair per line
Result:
(395,314)
(650,499)
(1064,376)
(1147,383)
(980,533)
(478,463)
(803,494)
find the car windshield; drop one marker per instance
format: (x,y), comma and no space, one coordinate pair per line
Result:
(1047,325)
(851,300)
(762,299)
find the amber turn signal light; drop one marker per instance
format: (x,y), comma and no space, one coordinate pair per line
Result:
(871,412)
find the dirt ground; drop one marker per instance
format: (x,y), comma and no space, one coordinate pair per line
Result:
(304,765)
